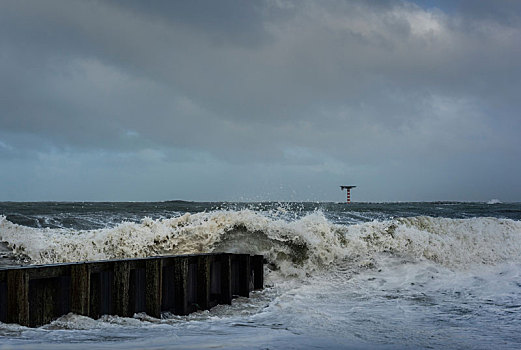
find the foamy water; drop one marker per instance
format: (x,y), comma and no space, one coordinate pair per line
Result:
(430,275)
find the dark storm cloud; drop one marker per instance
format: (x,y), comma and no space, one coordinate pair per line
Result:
(329,88)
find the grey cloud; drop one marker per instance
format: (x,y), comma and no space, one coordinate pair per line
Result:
(504,11)
(218,20)
(305,84)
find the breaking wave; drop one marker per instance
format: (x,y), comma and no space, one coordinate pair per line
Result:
(494,201)
(298,247)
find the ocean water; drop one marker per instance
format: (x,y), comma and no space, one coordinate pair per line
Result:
(441,275)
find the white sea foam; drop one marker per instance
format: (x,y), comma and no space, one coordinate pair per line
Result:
(421,282)
(296,247)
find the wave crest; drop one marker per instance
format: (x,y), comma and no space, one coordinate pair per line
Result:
(296,247)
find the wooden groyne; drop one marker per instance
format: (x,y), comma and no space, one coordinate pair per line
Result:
(37,294)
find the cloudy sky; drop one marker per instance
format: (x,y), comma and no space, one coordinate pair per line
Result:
(260,100)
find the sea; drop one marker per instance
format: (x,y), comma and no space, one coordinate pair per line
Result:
(437,275)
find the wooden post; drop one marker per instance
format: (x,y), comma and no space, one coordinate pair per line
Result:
(18,297)
(241,274)
(43,294)
(80,289)
(245,273)
(95,295)
(121,288)
(180,285)
(153,272)
(3,297)
(63,300)
(191,285)
(203,282)
(168,289)
(257,267)
(226,279)
(136,290)
(107,289)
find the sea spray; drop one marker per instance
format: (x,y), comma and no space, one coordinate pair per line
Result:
(296,247)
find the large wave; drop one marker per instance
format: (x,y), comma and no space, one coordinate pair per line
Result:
(292,247)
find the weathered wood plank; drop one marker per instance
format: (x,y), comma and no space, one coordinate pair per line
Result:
(241,275)
(203,282)
(257,267)
(226,279)
(180,286)
(18,296)
(80,289)
(121,288)
(153,275)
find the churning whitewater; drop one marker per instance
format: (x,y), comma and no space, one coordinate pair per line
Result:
(420,275)
(292,247)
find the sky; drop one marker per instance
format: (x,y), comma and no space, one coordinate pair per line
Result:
(276,100)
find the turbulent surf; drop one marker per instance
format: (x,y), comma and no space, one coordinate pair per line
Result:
(394,268)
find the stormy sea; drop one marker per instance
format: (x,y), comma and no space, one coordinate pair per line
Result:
(438,275)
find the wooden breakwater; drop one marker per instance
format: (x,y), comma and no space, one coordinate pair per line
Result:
(36,294)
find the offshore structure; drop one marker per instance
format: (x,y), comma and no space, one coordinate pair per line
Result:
(348,188)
